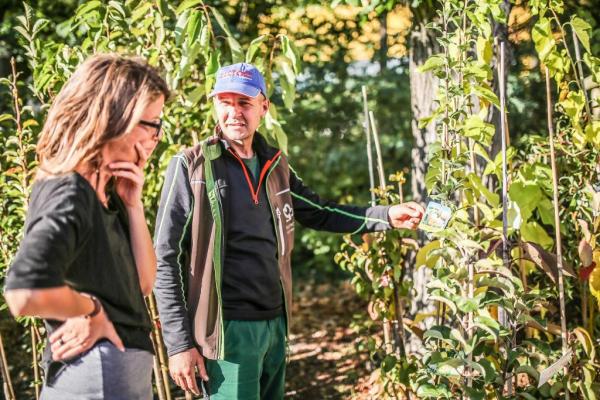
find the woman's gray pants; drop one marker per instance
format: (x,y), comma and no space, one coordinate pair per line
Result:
(103,373)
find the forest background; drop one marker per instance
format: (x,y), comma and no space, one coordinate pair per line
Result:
(319,56)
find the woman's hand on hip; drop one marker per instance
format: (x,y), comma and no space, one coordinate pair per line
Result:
(78,334)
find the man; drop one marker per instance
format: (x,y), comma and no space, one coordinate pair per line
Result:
(224,234)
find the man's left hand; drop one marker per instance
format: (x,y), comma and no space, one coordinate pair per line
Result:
(406,215)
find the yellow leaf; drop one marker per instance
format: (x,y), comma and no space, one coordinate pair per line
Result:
(595,278)
(423,257)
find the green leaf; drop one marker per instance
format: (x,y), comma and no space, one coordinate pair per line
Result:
(193,28)
(221,21)
(423,257)
(527,196)
(475,128)
(205,39)
(450,367)
(237,54)
(253,48)
(484,50)
(542,37)
(531,231)
(487,324)
(88,7)
(211,68)
(6,117)
(586,341)
(529,370)
(141,11)
(490,371)
(286,69)
(582,30)
(187,4)
(290,52)
(432,63)
(527,396)
(289,91)
(475,183)
(180,26)
(39,25)
(23,32)
(117,6)
(437,391)
(194,97)
(456,335)
(444,300)
(487,94)
(30,122)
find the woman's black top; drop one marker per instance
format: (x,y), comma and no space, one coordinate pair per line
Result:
(72,239)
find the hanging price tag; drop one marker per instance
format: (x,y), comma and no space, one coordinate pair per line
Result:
(549,372)
(436,217)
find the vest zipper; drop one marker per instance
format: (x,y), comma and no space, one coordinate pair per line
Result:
(265,168)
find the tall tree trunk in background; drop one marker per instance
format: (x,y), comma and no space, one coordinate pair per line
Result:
(423,87)
(383,44)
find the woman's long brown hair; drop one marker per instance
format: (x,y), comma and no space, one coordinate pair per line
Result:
(102,101)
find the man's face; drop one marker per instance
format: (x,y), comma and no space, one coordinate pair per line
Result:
(239,115)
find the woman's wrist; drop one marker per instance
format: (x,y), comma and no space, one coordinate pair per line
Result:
(135,208)
(97,306)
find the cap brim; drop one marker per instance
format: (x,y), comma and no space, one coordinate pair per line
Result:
(235,87)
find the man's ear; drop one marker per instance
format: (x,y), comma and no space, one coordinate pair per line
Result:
(265,107)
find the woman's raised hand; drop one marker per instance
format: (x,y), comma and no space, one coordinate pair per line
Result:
(130,178)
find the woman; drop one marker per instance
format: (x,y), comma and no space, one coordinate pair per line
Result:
(86,260)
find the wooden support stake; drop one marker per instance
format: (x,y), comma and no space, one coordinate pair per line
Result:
(34,359)
(9,392)
(380,170)
(369,147)
(559,259)
(503,317)
(161,372)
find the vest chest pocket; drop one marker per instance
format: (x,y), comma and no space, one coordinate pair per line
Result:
(284,213)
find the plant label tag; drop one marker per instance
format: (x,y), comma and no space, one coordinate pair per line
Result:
(436,217)
(546,374)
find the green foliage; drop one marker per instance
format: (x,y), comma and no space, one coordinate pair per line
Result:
(188,43)
(493,319)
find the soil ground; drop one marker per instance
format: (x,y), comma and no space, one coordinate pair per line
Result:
(325,362)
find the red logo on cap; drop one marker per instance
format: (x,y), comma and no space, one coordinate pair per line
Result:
(240,74)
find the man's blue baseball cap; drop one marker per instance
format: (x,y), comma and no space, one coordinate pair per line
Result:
(240,78)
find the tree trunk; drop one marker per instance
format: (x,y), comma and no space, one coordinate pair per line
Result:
(383,44)
(423,90)
(423,87)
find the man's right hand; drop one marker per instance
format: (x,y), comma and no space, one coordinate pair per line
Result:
(182,367)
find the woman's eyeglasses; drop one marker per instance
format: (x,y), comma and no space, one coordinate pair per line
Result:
(155,125)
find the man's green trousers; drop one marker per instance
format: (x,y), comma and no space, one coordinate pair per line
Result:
(254,364)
